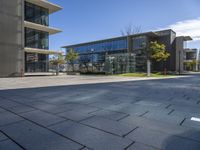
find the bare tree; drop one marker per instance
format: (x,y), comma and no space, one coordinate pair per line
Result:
(130,29)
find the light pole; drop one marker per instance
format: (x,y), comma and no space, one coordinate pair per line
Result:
(92,51)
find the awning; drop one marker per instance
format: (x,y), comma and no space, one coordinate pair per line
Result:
(45,4)
(35,26)
(41,51)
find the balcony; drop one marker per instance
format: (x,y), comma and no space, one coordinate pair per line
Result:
(45,4)
(39,27)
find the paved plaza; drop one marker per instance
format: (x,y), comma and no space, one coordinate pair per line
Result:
(100,113)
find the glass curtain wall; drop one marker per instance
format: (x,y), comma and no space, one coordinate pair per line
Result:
(92,55)
(36,14)
(139,49)
(120,63)
(40,40)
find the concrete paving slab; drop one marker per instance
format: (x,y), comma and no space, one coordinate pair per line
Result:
(108,125)
(110,114)
(20,109)
(8,103)
(91,137)
(54,109)
(9,145)
(191,123)
(9,118)
(140,146)
(33,137)
(163,127)
(74,115)
(42,118)
(162,140)
(2,137)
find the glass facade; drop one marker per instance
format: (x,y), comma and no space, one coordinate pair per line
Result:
(139,49)
(36,14)
(139,42)
(112,45)
(92,55)
(40,40)
(36,39)
(36,62)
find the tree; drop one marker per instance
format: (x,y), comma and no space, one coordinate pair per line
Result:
(71,57)
(156,52)
(130,29)
(57,60)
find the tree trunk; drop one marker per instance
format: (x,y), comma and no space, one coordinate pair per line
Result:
(148,68)
(57,69)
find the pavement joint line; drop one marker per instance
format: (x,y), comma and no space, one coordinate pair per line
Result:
(171,112)
(45,128)
(182,121)
(58,122)
(101,130)
(99,109)
(129,145)
(168,106)
(129,132)
(86,118)
(123,117)
(144,114)
(30,107)
(13,140)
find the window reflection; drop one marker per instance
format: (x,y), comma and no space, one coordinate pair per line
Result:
(36,39)
(36,14)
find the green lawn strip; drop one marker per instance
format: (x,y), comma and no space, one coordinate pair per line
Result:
(143,75)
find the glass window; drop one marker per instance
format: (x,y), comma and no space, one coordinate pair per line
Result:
(114,45)
(36,14)
(139,42)
(36,39)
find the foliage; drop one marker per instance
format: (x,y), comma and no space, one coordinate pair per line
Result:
(158,52)
(57,59)
(71,56)
(190,65)
(130,30)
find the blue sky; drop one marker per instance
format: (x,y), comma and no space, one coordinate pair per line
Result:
(89,20)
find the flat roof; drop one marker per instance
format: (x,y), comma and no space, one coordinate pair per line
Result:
(45,4)
(35,26)
(110,39)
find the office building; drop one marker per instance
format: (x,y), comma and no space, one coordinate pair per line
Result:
(129,53)
(24,38)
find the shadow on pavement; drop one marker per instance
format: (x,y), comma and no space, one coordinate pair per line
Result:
(179,142)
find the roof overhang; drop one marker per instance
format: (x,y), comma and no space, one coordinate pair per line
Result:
(35,26)
(41,51)
(187,38)
(45,4)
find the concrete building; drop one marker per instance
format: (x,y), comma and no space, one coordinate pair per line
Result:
(191,59)
(24,36)
(128,53)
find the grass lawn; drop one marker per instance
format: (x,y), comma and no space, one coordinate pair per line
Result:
(143,75)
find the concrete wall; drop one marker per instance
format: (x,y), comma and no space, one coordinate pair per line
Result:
(179,54)
(11,38)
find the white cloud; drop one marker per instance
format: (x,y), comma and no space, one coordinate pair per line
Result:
(187,28)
